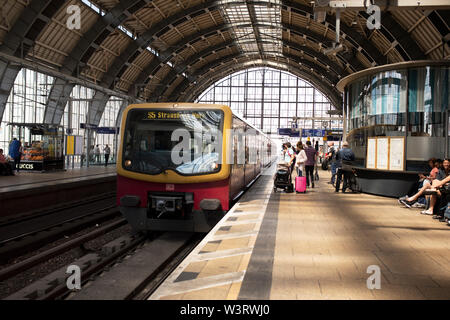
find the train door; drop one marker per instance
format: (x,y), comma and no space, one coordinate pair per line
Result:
(258,153)
(237,178)
(249,166)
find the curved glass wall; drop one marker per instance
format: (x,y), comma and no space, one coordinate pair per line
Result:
(411,103)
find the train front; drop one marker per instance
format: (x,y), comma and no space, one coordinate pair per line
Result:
(171,170)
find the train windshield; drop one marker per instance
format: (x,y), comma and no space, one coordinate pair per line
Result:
(186,141)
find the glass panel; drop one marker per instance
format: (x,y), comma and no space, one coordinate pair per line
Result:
(428,90)
(149,146)
(280,90)
(378,107)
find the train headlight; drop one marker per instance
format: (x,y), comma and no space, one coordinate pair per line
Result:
(127,163)
(214,166)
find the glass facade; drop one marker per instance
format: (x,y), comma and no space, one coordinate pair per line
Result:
(270,98)
(27,102)
(411,103)
(109,120)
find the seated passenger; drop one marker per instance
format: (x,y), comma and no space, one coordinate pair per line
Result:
(5,168)
(427,184)
(441,186)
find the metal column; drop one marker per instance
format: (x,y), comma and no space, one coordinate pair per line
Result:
(344,116)
(446,128)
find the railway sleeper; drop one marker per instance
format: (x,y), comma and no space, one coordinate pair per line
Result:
(52,280)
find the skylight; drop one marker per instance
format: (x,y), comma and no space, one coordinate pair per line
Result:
(94,7)
(124,30)
(263,18)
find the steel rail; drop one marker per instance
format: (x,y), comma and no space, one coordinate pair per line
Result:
(43,256)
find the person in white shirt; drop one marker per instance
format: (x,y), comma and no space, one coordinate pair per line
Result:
(97,154)
(300,160)
(288,154)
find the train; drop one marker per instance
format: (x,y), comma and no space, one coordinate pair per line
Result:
(181,166)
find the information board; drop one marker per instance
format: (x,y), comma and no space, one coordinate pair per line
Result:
(382,153)
(371,153)
(74,145)
(396,153)
(78,145)
(385,153)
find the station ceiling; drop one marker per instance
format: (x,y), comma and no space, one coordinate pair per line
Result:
(172,50)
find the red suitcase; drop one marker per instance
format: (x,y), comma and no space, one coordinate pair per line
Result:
(300,184)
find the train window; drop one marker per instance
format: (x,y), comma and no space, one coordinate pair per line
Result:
(150,148)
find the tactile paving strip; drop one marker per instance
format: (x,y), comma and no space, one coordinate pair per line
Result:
(216,267)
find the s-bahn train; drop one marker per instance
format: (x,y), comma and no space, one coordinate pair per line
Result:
(181,165)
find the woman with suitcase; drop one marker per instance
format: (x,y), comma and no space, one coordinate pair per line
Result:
(300,181)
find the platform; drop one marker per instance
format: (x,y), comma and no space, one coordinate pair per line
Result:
(30,190)
(316,245)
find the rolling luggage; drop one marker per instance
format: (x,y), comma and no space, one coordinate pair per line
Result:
(325,165)
(300,184)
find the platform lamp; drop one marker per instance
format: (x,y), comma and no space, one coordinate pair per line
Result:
(320,14)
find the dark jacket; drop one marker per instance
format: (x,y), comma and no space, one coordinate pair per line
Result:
(344,154)
(441,175)
(14,149)
(332,151)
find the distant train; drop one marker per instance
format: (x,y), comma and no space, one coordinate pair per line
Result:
(180,165)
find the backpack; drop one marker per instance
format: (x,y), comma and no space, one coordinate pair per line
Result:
(333,155)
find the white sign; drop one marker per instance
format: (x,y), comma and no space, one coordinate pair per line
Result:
(78,145)
(371,153)
(396,153)
(383,153)
(28,166)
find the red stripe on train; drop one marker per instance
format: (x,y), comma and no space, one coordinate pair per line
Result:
(206,190)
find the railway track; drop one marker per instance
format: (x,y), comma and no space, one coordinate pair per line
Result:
(20,218)
(159,253)
(29,232)
(150,285)
(49,282)
(131,267)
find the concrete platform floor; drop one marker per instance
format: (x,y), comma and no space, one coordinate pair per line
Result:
(317,245)
(28,179)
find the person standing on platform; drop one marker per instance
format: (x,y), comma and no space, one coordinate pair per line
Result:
(300,160)
(107,151)
(311,155)
(14,152)
(331,157)
(317,146)
(299,146)
(291,154)
(97,154)
(344,154)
